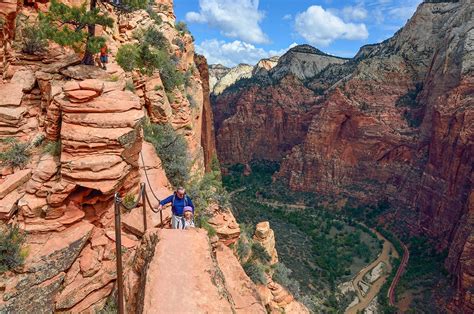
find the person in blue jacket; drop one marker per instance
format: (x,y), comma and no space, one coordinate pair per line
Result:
(178,201)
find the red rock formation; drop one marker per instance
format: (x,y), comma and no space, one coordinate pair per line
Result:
(262,123)
(63,199)
(418,152)
(207,283)
(207,130)
(394,123)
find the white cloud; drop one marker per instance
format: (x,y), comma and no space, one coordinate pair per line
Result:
(351,13)
(287,17)
(234,18)
(320,27)
(235,52)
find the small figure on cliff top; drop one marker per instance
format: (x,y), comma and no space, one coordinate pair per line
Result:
(104,56)
(179,200)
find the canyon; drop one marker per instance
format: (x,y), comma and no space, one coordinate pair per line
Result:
(393,123)
(74,139)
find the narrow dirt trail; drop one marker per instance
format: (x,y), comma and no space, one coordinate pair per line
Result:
(374,290)
(179,276)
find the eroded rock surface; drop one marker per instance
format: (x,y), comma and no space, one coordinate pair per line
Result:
(395,123)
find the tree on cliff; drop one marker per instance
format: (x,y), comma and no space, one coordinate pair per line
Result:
(75,26)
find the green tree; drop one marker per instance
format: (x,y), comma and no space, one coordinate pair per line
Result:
(149,55)
(75,26)
(172,149)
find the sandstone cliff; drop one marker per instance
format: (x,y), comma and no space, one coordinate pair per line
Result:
(82,128)
(264,114)
(395,122)
(216,72)
(230,77)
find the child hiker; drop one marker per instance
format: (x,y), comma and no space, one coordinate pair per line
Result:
(187,222)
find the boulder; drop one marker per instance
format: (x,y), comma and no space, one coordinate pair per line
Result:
(45,265)
(8,204)
(11,116)
(226,227)
(14,181)
(25,78)
(11,94)
(39,297)
(79,96)
(82,286)
(46,168)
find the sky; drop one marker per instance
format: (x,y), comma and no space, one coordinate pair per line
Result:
(230,32)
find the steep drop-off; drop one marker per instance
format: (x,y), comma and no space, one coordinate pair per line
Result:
(395,122)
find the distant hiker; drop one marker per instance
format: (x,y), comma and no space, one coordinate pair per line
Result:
(179,200)
(187,222)
(104,56)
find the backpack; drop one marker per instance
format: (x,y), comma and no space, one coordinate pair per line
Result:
(185,200)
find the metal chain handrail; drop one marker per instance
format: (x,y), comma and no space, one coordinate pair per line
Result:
(118,204)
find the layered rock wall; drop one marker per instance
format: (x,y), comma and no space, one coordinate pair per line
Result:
(394,123)
(83,131)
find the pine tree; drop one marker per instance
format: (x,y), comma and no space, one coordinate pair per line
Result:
(75,26)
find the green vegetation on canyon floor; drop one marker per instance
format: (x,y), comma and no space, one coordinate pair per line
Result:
(319,248)
(324,247)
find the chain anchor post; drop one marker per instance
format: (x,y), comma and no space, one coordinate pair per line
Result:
(118,252)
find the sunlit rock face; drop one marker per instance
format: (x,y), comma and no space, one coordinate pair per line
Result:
(83,129)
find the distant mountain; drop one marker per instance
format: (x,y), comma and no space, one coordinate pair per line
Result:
(393,123)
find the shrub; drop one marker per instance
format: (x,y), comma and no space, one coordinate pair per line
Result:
(180,43)
(130,86)
(260,253)
(155,38)
(16,155)
(243,248)
(172,150)
(158,88)
(129,200)
(11,255)
(192,102)
(127,56)
(33,41)
(282,275)
(170,97)
(207,190)
(110,306)
(256,272)
(52,147)
(170,76)
(182,27)
(149,55)
(153,15)
(187,77)
(204,223)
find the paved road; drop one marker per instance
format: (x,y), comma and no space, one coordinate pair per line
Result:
(400,270)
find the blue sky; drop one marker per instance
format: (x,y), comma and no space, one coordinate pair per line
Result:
(244,31)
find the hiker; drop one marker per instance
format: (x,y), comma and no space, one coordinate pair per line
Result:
(187,222)
(104,56)
(179,200)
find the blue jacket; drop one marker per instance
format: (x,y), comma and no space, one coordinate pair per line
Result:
(177,206)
